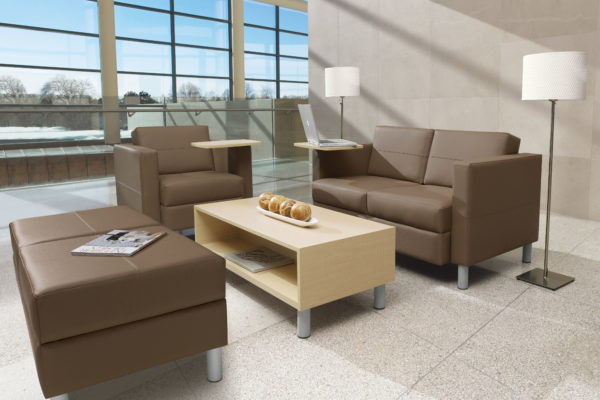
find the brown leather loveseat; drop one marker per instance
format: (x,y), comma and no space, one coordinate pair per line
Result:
(163,176)
(454,196)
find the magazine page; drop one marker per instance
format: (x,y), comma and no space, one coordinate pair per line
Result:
(259,259)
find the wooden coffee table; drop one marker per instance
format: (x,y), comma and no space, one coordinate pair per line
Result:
(340,256)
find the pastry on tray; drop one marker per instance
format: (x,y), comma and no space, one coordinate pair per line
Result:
(286,207)
(275,203)
(263,200)
(301,211)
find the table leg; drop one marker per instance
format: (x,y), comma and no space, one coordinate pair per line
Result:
(303,324)
(379,297)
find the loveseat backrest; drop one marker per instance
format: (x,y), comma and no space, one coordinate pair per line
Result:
(173,144)
(400,153)
(448,147)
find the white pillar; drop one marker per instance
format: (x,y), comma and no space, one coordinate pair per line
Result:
(108,70)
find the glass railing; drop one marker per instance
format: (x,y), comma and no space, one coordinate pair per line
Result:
(276,123)
(53,143)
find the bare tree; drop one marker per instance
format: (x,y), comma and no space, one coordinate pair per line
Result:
(65,90)
(11,89)
(188,91)
(250,92)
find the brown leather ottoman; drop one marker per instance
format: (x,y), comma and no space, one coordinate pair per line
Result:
(92,319)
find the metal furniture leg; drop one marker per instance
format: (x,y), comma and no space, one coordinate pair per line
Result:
(379,297)
(303,324)
(463,277)
(214,364)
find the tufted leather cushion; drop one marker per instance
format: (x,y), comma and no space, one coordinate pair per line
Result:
(173,144)
(449,147)
(400,153)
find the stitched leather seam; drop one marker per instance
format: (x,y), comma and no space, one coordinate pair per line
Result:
(402,152)
(446,158)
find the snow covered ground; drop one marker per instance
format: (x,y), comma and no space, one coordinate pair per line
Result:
(55,133)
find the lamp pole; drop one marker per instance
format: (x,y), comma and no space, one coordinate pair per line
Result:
(342,117)
(549,199)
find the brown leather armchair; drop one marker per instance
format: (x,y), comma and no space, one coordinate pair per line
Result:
(163,176)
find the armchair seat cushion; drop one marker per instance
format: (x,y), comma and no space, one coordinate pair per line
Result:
(199,187)
(350,192)
(425,207)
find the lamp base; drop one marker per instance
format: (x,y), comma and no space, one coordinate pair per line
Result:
(553,281)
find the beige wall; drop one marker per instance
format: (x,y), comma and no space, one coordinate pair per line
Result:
(457,64)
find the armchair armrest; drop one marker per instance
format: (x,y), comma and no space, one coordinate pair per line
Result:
(495,206)
(333,164)
(136,176)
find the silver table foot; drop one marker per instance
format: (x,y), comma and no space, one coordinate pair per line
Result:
(214,365)
(527,253)
(379,297)
(61,397)
(463,277)
(303,324)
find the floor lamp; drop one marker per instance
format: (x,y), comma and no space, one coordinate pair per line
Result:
(341,82)
(552,76)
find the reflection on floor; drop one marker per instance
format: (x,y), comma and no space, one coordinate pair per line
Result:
(500,339)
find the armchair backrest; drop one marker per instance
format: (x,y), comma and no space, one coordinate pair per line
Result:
(173,145)
(448,147)
(400,153)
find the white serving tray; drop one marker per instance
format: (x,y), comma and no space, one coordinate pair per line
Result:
(312,221)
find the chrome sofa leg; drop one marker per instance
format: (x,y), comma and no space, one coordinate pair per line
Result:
(463,277)
(214,364)
(64,396)
(527,249)
(379,297)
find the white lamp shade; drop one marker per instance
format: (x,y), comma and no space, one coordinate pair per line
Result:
(554,76)
(342,81)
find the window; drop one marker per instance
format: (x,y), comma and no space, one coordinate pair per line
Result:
(180,54)
(52,55)
(276,51)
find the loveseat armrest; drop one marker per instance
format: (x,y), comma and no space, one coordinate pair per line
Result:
(136,176)
(495,206)
(333,164)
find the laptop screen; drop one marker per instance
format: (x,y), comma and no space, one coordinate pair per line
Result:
(308,121)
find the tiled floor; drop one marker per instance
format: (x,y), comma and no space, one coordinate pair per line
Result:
(501,339)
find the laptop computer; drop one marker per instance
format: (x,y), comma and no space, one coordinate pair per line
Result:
(312,135)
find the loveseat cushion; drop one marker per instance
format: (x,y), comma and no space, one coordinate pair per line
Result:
(174,149)
(66,295)
(199,187)
(421,206)
(350,192)
(400,153)
(448,147)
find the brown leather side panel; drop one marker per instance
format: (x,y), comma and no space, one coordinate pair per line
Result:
(136,176)
(74,363)
(496,206)
(333,164)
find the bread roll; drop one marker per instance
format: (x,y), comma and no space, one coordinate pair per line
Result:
(301,211)
(286,207)
(275,203)
(263,200)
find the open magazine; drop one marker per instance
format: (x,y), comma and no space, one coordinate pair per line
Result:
(118,243)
